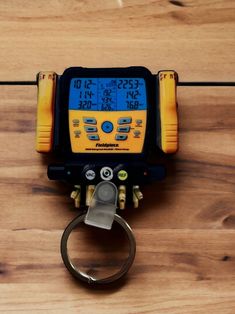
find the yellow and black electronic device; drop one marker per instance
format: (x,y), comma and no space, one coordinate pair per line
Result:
(112,118)
(103,124)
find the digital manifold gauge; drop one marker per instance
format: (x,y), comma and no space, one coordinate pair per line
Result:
(103,125)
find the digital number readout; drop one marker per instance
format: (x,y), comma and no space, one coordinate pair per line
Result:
(107,94)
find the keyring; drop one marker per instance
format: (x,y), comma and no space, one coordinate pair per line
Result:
(85,277)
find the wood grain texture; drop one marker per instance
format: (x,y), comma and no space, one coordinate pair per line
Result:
(185,227)
(194,37)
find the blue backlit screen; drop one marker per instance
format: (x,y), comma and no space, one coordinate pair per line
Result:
(107,94)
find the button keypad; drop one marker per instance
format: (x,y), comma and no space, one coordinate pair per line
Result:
(93,137)
(89,120)
(90,129)
(120,137)
(114,127)
(125,120)
(123,129)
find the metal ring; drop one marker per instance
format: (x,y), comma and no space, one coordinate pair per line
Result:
(85,277)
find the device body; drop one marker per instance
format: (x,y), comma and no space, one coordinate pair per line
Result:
(102,124)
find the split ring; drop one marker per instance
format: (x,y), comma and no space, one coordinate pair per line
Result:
(85,277)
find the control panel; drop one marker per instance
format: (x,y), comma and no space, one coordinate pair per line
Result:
(110,132)
(107,115)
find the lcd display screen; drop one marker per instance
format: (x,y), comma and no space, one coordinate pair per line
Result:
(107,94)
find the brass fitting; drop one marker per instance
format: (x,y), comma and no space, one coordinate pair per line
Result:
(135,200)
(122,196)
(89,192)
(76,195)
(137,195)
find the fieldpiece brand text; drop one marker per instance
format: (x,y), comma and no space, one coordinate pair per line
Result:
(107,145)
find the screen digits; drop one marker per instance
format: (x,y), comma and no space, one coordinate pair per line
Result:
(107,94)
(128,83)
(85,93)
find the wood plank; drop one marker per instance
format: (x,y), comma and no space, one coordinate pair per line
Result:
(197,193)
(196,38)
(187,275)
(184,229)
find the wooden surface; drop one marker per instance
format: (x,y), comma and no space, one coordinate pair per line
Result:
(185,228)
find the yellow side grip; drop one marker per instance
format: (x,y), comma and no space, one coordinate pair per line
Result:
(45,111)
(168,111)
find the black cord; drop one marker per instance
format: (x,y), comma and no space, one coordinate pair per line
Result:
(18,83)
(178,84)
